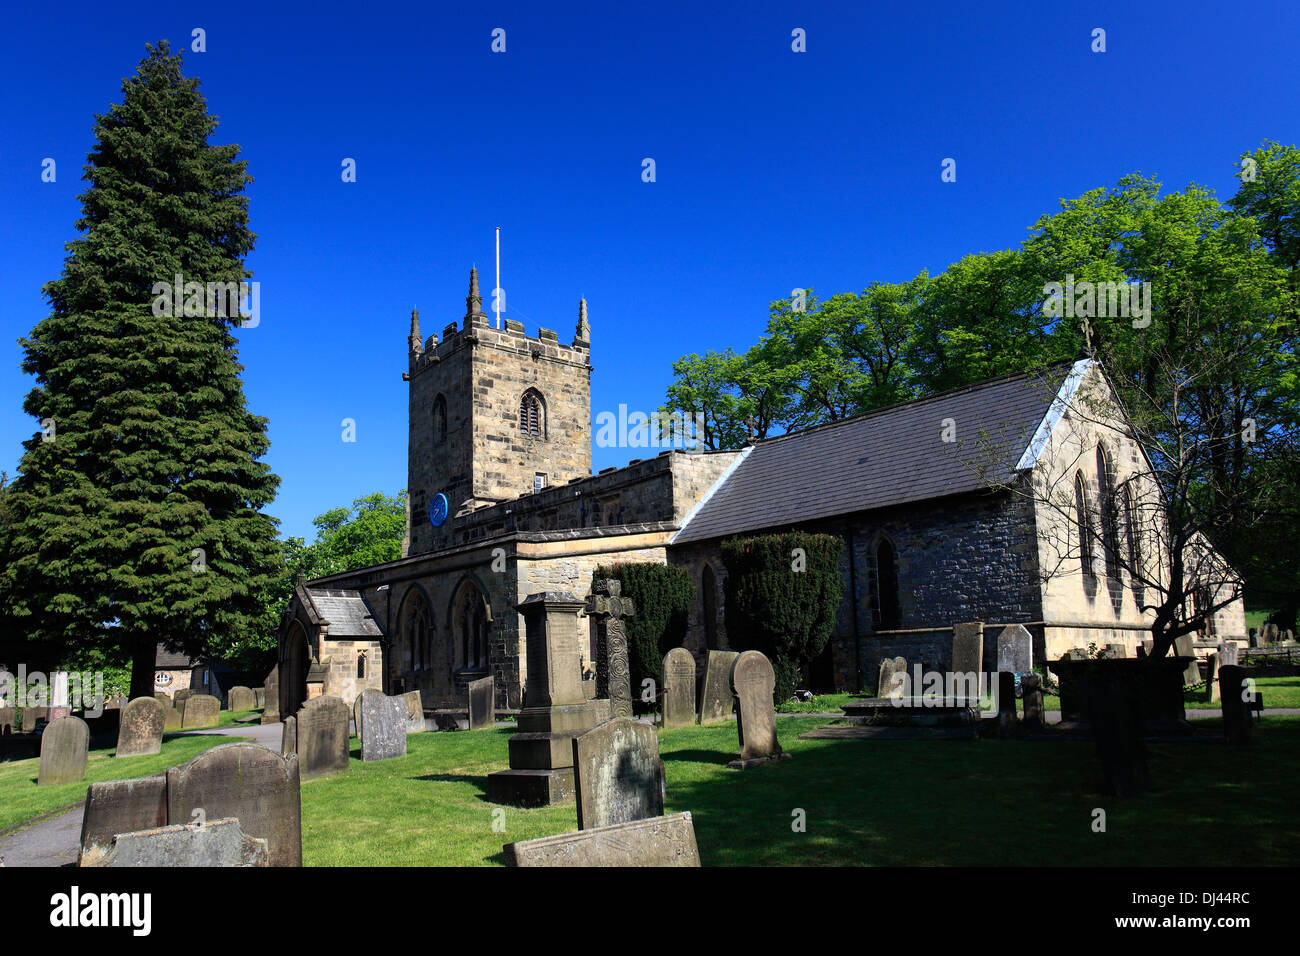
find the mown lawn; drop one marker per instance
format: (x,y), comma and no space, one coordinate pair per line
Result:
(946,803)
(21,799)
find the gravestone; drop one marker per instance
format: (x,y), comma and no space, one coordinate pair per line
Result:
(887,684)
(383,727)
(482,704)
(617,773)
(143,722)
(201,710)
(607,607)
(1015,650)
(716,701)
(1006,702)
(65,745)
(1233,698)
(171,720)
(1256,638)
(1183,648)
(753,682)
(968,648)
(164,699)
(259,697)
(1229,653)
(1031,693)
(1117,652)
(658,841)
(322,731)
(181,696)
(219,843)
(32,716)
(6,720)
(1114,706)
(356,708)
(1212,678)
(414,712)
(120,806)
(679,689)
(256,786)
(1270,633)
(271,692)
(241,698)
(289,739)
(555,709)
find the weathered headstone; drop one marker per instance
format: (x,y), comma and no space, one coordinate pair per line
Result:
(289,739)
(1117,652)
(120,806)
(679,689)
(1183,648)
(1116,728)
(171,720)
(256,786)
(164,699)
(32,716)
(607,607)
(753,681)
(241,698)
(1015,650)
(1229,653)
(271,690)
(383,727)
(1256,638)
(888,684)
(1235,699)
(1006,702)
(65,746)
(201,710)
(6,720)
(716,699)
(414,712)
(968,648)
(322,731)
(658,841)
(356,708)
(143,723)
(183,695)
(482,704)
(217,843)
(1212,678)
(617,773)
(259,697)
(1031,693)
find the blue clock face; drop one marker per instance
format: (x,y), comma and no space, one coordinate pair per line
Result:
(438,510)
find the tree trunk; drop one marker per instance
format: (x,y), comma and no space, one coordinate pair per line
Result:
(144,662)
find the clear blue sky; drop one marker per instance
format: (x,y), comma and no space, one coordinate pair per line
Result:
(775,169)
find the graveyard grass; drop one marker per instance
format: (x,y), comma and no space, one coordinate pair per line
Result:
(22,801)
(901,803)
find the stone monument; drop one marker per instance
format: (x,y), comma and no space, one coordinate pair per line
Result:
(679,688)
(607,607)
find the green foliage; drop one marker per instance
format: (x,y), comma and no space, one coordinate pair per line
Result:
(137,515)
(772,607)
(370,532)
(662,595)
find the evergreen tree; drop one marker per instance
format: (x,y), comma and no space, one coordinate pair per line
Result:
(137,514)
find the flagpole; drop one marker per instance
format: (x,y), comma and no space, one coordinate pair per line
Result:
(496,295)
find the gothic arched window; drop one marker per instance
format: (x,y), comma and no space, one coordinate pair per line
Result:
(361,665)
(1109,522)
(439,420)
(887,614)
(531,421)
(1083,521)
(1133,533)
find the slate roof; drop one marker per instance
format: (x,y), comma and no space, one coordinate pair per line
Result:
(890,456)
(166,660)
(346,612)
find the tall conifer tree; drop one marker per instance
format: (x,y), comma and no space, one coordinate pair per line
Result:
(137,514)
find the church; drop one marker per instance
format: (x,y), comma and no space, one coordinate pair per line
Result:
(932,499)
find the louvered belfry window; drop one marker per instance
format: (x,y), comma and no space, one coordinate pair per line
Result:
(530,416)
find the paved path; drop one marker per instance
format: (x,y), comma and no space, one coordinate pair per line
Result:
(57,840)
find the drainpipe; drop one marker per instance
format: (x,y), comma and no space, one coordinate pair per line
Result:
(853,591)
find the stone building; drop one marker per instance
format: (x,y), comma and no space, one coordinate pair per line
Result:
(945,505)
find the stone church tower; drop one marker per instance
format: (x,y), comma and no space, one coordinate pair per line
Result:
(493,414)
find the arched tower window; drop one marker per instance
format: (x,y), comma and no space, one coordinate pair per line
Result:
(439,420)
(886,609)
(532,419)
(1083,521)
(709,609)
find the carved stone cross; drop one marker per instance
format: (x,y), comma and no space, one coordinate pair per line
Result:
(607,607)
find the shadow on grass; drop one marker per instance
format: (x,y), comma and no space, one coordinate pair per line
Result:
(698,756)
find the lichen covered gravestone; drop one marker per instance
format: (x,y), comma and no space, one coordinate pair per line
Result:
(217,843)
(716,700)
(256,786)
(753,682)
(140,732)
(679,688)
(201,710)
(617,773)
(322,737)
(383,727)
(65,745)
(241,698)
(658,841)
(482,704)
(120,806)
